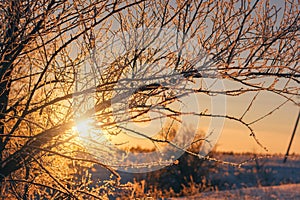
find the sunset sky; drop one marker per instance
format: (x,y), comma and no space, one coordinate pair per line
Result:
(274,131)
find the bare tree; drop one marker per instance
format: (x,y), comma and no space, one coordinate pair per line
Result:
(112,64)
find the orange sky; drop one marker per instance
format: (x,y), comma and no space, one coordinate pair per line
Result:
(274,131)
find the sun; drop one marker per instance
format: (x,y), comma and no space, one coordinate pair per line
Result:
(84,128)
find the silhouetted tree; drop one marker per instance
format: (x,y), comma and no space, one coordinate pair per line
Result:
(129,58)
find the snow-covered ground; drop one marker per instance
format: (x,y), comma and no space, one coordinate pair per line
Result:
(267,178)
(264,178)
(287,191)
(268,171)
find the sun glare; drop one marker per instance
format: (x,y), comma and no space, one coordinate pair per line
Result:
(84,128)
